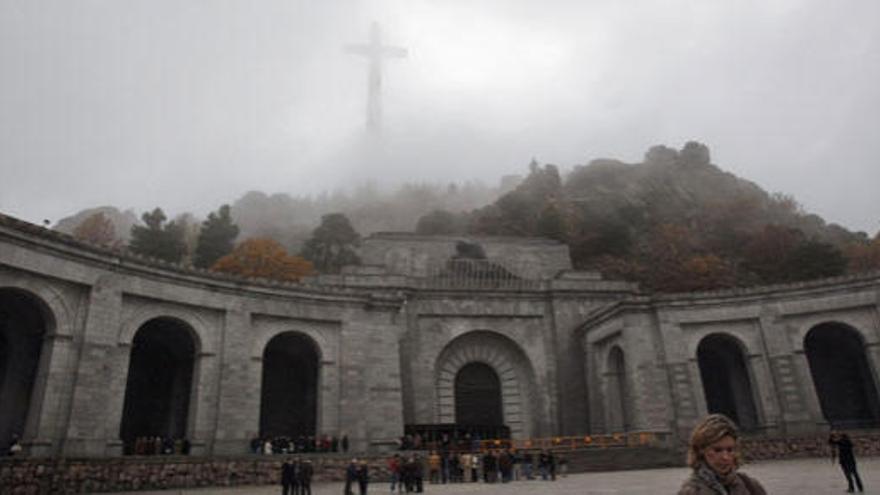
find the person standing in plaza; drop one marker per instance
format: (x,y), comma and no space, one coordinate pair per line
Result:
(305,470)
(363,477)
(351,472)
(842,449)
(434,467)
(714,456)
(544,465)
(288,475)
(528,459)
(394,470)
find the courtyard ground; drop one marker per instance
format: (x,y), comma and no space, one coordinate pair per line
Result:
(793,477)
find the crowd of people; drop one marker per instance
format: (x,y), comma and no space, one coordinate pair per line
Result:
(300,444)
(157,445)
(491,466)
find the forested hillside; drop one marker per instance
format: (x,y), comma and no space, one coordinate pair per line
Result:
(675,222)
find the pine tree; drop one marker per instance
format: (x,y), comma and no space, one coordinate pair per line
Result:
(332,244)
(216,238)
(157,239)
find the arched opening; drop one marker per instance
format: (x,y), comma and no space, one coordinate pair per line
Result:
(523,414)
(160,373)
(726,380)
(23,325)
(289,400)
(618,412)
(478,396)
(842,376)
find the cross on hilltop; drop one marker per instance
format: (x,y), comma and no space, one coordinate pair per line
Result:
(375,52)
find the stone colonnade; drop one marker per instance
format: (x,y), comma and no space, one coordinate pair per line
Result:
(799,359)
(568,355)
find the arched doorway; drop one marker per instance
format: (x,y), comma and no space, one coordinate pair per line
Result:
(159,384)
(289,397)
(23,324)
(478,396)
(522,403)
(726,382)
(842,376)
(618,412)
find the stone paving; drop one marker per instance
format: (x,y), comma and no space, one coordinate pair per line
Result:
(793,477)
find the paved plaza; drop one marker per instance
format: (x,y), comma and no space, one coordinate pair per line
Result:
(795,477)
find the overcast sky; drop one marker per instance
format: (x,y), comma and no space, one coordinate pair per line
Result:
(189,104)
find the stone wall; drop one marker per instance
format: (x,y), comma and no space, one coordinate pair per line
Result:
(865,444)
(30,476)
(417,255)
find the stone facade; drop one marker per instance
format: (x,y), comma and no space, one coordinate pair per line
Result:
(574,354)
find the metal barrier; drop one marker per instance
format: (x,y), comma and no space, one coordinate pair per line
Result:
(602,441)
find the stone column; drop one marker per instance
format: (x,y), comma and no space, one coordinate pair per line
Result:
(238,402)
(795,395)
(371,404)
(648,384)
(683,378)
(50,397)
(93,428)
(203,403)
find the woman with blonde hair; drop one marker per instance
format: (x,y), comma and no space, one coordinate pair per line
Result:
(714,456)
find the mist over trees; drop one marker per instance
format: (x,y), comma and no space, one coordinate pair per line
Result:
(97,229)
(674,222)
(333,244)
(122,221)
(290,220)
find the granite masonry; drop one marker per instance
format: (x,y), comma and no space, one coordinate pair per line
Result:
(86,332)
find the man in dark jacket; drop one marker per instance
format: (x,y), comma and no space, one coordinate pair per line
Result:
(288,477)
(363,477)
(304,477)
(351,473)
(842,448)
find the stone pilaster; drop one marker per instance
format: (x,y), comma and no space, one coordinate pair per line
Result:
(238,403)
(101,368)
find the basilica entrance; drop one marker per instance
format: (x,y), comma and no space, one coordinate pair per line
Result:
(842,376)
(726,380)
(22,328)
(289,398)
(478,396)
(160,373)
(485,379)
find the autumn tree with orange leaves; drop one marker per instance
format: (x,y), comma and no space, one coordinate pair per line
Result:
(263,258)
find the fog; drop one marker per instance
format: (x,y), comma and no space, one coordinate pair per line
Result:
(187,105)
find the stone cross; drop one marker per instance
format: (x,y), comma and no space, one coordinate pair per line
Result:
(375,52)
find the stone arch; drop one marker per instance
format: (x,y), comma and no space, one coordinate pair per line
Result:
(59,317)
(842,375)
(325,346)
(727,384)
(25,323)
(617,391)
(195,324)
(290,385)
(161,383)
(519,397)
